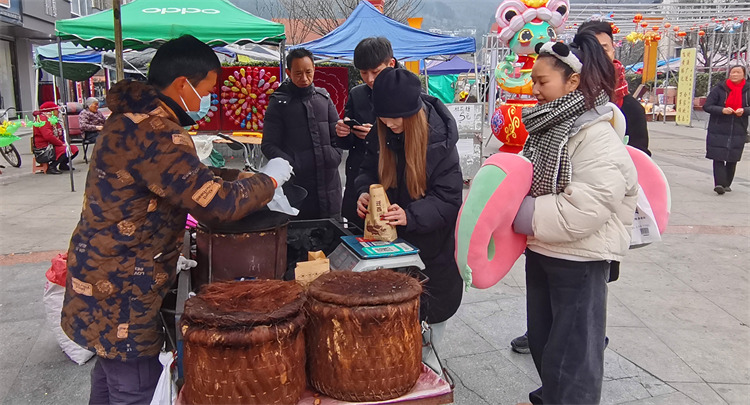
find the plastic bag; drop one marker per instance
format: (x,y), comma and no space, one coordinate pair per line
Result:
(645,230)
(166,388)
(53,301)
(59,269)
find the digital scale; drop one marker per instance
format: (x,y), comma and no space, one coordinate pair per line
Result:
(359,254)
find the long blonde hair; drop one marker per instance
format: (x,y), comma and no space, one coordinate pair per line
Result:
(416,132)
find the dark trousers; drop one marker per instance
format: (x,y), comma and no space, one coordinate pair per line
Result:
(724,173)
(119,382)
(567,314)
(62,161)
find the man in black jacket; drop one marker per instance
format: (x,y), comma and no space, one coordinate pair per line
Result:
(371,56)
(299,126)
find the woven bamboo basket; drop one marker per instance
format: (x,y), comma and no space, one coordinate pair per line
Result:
(364,341)
(244,343)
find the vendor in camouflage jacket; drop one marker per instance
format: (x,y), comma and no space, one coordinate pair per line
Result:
(143,179)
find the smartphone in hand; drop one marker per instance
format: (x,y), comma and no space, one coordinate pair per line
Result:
(352,122)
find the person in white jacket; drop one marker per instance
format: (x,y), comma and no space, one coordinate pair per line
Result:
(577,216)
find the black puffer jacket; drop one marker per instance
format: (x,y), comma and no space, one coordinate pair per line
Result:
(431,220)
(635,123)
(358,107)
(726,133)
(300,127)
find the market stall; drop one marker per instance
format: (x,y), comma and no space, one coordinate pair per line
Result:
(149,23)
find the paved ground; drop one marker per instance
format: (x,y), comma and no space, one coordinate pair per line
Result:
(678,316)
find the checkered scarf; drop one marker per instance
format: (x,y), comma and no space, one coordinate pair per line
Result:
(549,128)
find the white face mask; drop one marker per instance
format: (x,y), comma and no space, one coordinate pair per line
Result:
(204,106)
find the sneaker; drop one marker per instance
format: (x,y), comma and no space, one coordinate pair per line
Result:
(728,189)
(719,190)
(521,344)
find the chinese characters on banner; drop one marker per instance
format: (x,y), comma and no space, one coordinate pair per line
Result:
(686,87)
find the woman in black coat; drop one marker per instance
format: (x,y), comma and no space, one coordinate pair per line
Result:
(412,153)
(729,106)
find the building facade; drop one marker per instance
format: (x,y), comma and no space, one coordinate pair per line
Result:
(25,24)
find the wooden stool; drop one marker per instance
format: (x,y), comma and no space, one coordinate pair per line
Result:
(38,167)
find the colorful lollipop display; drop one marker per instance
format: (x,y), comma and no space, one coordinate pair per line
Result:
(244,95)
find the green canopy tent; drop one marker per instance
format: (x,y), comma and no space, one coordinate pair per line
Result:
(150,23)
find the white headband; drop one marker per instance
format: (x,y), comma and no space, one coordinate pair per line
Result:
(570,59)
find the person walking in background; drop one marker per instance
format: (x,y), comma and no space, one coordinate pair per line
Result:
(51,133)
(412,153)
(91,121)
(371,56)
(577,216)
(729,106)
(300,127)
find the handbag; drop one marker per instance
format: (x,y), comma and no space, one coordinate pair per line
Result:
(44,155)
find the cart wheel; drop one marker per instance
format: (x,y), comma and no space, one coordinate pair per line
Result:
(10,153)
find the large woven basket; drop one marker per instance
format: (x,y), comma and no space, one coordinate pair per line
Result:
(364,341)
(244,343)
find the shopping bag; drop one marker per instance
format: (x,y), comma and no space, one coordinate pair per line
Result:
(166,388)
(645,230)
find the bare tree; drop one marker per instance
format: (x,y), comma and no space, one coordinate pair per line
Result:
(323,16)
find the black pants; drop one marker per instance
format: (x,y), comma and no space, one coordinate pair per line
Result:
(124,382)
(724,173)
(567,315)
(62,161)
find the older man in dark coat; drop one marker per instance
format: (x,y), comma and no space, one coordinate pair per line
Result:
(300,127)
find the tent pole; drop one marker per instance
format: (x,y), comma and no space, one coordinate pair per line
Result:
(64,93)
(282,51)
(476,77)
(118,39)
(36,89)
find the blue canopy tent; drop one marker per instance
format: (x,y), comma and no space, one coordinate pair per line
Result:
(408,43)
(443,76)
(672,62)
(453,66)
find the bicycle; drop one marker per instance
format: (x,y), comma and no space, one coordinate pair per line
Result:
(9,152)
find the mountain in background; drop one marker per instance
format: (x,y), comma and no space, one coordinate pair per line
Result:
(452,17)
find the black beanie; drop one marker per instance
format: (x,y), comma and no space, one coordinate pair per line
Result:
(396,93)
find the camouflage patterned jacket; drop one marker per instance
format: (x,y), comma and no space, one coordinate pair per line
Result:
(143,179)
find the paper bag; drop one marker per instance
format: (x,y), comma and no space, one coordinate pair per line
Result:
(317,264)
(376,228)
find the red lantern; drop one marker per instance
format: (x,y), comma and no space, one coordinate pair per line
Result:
(667,25)
(682,34)
(637,17)
(655,28)
(657,37)
(701,33)
(644,24)
(676,28)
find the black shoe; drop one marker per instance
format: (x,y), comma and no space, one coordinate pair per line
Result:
(65,168)
(728,189)
(521,344)
(606,341)
(719,190)
(53,170)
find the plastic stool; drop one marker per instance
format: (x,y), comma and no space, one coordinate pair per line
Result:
(38,167)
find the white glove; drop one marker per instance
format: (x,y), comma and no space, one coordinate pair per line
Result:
(278,169)
(184,263)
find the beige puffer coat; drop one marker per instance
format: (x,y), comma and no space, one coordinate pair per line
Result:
(592,219)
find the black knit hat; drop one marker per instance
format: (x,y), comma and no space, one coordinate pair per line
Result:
(396,93)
